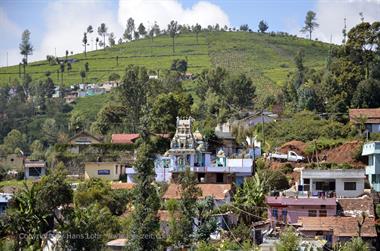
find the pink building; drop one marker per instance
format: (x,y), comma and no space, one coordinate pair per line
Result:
(289,209)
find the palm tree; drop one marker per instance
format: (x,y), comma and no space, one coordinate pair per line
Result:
(250,198)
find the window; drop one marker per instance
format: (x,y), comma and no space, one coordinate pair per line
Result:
(322,213)
(275,213)
(323,206)
(35,171)
(219,178)
(370,160)
(306,181)
(312,213)
(374,180)
(319,185)
(201,177)
(349,186)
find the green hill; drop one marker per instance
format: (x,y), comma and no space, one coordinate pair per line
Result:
(267,59)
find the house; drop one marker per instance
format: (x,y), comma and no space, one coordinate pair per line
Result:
(104,170)
(372,170)
(188,150)
(340,182)
(34,169)
(12,161)
(4,200)
(355,206)
(81,140)
(222,193)
(124,138)
(337,229)
(287,210)
(370,117)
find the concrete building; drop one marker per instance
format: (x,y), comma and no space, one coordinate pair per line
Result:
(287,210)
(34,169)
(370,117)
(4,199)
(372,170)
(104,170)
(187,150)
(81,140)
(340,182)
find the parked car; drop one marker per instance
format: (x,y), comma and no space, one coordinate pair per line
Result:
(290,156)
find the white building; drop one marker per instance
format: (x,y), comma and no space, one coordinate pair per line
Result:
(372,170)
(342,182)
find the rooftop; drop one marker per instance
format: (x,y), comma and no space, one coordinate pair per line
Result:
(289,201)
(117,243)
(34,163)
(333,173)
(119,185)
(372,115)
(218,191)
(124,138)
(5,197)
(355,206)
(340,226)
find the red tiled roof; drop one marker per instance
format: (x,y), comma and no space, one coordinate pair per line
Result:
(125,138)
(353,206)
(118,185)
(218,191)
(372,115)
(340,226)
(286,201)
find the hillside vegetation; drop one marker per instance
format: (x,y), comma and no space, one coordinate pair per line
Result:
(266,58)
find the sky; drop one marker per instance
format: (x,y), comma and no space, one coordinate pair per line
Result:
(58,25)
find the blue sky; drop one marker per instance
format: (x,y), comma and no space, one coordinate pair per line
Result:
(57,24)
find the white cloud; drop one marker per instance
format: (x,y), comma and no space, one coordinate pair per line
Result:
(331,14)
(66,21)
(13,32)
(204,13)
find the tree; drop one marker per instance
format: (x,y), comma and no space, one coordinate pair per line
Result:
(367,94)
(154,31)
(14,140)
(83,75)
(179,65)
(244,27)
(239,91)
(142,30)
(96,43)
(111,39)
(69,67)
(145,225)
(114,77)
(197,28)
(102,31)
(66,54)
(310,23)
(133,93)
(86,67)
(189,195)
(128,33)
(165,109)
(120,41)
(172,30)
(355,244)
(37,150)
(136,34)
(250,197)
(263,26)
(84,41)
(95,221)
(25,46)
(90,29)
(289,240)
(50,131)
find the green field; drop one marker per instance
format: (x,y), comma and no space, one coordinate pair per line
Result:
(267,59)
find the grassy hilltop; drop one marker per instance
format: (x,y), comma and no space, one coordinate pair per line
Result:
(267,59)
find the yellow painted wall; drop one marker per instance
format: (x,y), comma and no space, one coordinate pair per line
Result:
(91,170)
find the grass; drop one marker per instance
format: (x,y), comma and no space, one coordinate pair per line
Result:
(91,105)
